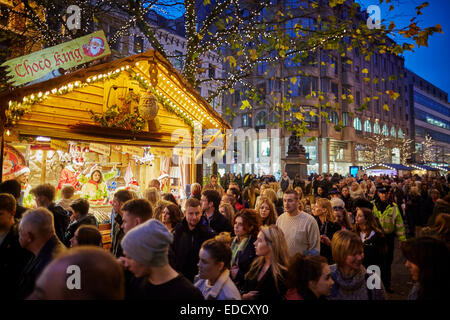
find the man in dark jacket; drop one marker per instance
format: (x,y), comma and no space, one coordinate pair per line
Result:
(189,236)
(13,257)
(210,203)
(37,235)
(79,216)
(44,195)
(120,197)
(13,187)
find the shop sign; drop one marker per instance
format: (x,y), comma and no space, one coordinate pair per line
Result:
(65,55)
(100,148)
(59,145)
(137,151)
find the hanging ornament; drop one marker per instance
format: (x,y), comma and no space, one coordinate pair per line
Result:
(148,108)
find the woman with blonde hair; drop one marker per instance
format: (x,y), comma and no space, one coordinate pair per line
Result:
(153,195)
(196,191)
(348,273)
(323,213)
(272,195)
(266,210)
(356,191)
(267,275)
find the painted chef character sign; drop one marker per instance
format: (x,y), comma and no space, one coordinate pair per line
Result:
(164,182)
(94,48)
(70,174)
(21,174)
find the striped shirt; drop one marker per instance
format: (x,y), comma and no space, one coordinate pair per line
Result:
(301,232)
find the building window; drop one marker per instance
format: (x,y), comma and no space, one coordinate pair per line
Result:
(357,124)
(334,89)
(345,119)
(376,128)
(400,133)
(334,118)
(393,132)
(178,60)
(357,73)
(212,71)
(262,67)
(246,120)
(358,98)
(367,126)
(385,130)
(377,106)
(138,44)
(261,119)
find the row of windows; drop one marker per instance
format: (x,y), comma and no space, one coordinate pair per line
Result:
(429,103)
(377,129)
(431,119)
(439,136)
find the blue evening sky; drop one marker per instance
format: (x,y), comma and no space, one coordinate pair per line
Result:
(431,63)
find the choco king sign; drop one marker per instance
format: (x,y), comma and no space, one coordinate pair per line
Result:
(65,55)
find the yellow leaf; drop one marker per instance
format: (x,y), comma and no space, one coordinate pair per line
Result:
(245,105)
(294,80)
(365,70)
(344,97)
(386,107)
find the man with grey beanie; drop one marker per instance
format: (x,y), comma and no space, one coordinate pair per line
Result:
(146,249)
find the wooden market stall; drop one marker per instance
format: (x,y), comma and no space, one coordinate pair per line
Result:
(136,114)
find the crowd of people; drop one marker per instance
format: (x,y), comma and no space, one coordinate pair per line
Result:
(235,238)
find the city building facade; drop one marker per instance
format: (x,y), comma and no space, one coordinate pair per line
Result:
(330,150)
(429,114)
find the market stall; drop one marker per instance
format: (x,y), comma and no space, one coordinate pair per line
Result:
(131,120)
(390,169)
(423,169)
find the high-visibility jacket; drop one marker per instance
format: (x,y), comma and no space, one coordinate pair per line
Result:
(391,220)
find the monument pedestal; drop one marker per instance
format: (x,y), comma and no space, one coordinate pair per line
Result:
(296,160)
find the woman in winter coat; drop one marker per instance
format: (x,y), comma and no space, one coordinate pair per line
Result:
(247,223)
(413,210)
(266,279)
(327,226)
(349,275)
(213,277)
(372,237)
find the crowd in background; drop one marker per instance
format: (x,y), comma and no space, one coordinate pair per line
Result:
(237,237)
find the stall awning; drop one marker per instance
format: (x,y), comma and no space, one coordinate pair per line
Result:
(389,166)
(424,167)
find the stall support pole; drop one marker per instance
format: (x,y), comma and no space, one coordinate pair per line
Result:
(1,156)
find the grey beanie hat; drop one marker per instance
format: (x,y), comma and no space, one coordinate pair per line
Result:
(148,243)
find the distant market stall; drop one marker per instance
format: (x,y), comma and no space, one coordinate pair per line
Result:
(423,169)
(123,119)
(390,169)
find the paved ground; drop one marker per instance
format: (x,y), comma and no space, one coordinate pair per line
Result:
(401,278)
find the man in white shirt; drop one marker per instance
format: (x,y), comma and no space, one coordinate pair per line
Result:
(300,228)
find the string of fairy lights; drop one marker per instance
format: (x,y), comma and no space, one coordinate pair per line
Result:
(167,93)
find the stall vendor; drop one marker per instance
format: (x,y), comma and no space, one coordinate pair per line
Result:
(164,182)
(94,188)
(21,174)
(70,174)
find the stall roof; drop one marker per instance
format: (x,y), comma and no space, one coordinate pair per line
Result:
(392,166)
(424,167)
(140,64)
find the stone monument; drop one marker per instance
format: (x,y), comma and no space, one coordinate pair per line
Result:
(296,160)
